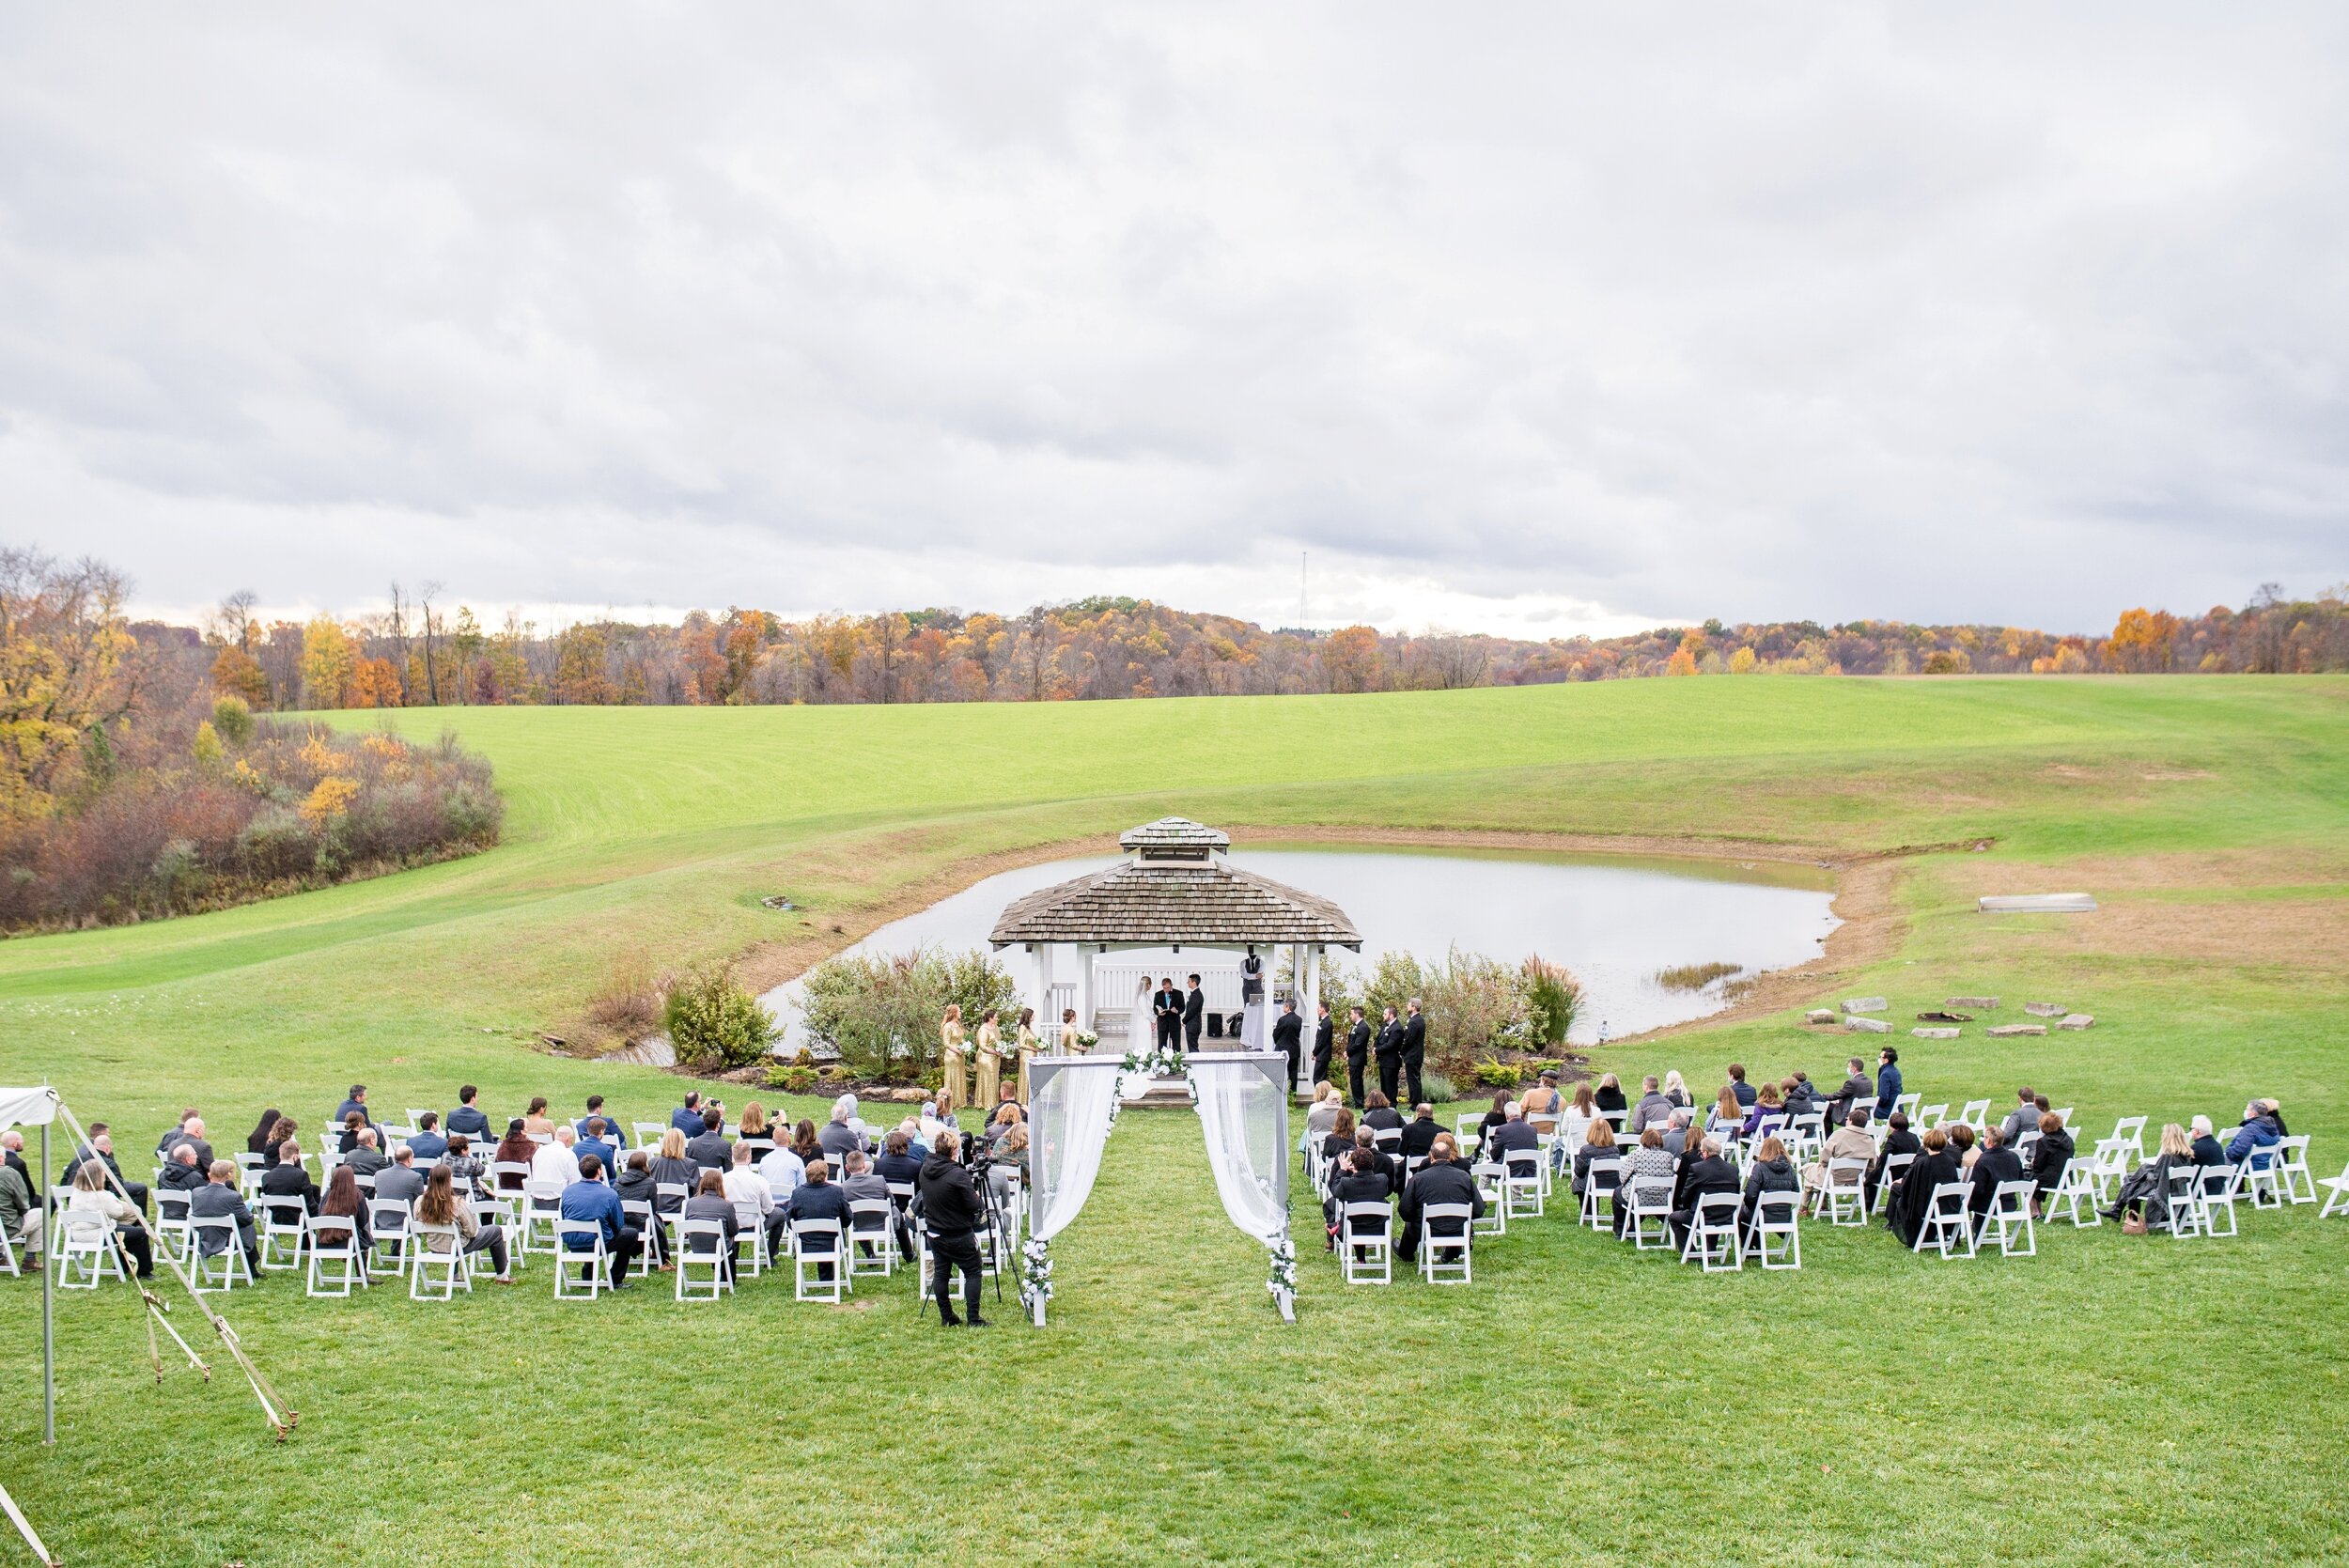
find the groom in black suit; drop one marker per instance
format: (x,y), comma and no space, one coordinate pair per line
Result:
(1169,1008)
(1323,1044)
(1357,1051)
(1194,1014)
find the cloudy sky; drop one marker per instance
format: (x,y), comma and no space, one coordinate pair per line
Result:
(1535,320)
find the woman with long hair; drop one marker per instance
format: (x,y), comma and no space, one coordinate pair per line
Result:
(2145,1193)
(671,1167)
(1727,1118)
(804,1142)
(753,1122)
(1677,1089)
(283,1131)
(515,1148)
(342,1202)
(1341,1140)
(990,1051)
(259,1143)
(1598,1142)
(952,1052)
(440,1204)
(1026,1043)
(1610,1096)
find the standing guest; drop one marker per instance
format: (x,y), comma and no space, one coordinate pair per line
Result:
(1702,1178)
(442,1204)
(1414,1051)
(1070,1044)
(1772,1172)
(554,1160)
(427,1142)
(216,1199)
(2024,1117)
(1912,1196)
(2206,1145)
(1849,1141)
(21,1212)
(341,1202)
(1898,1139)
(400,1182)
(589,1199)
(91,1213)
(258,1142)
(1675,1090)
(1439,1181)
(951,1212)
(594,1109)
(953,1051)
(1745,1091)
(464,1166)
(1648,1173)
(287,1179)
(820,1198)
(1195,1016)
(468,1118)
(1357,1052)
(1325,1041)
(687,1118)
(745,1186)
(710,1149)
(1599,1144)
(1610,1096)
(1855,1088)
(1390,1052)
(600,1141)
(1887,1081)
(989,1048)
(1996,1163)
(1365,1180)
(1653,1109)
(709,1202)
(1166,1012)
(536,1121)
(515,1148)
(1289,1038)
(1419,1135)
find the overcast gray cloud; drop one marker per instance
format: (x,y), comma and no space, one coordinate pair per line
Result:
(1535,320)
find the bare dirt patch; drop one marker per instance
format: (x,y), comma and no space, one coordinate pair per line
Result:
(2290,933)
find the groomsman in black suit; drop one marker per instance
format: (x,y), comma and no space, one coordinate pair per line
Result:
(1389,1055)
(1288,1032)
(1414,1051)
(1357,1052)
(1169,1010)
(1322,1045)
(1194,1014)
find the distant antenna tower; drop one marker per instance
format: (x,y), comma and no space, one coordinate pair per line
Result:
(1301,588)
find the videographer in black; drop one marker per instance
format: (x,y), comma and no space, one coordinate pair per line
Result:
(952,1209)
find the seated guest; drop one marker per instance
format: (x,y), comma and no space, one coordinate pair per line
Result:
(1677,1127)
(173,1133)
(286,1131)
(1727,1118)
(745,1186)
(2274,1111)
(1419,1134)
(100,1148)
(2024,1117)
(22,1218)
(1380,1115)
(1600,1144)
(1361,1181)
(468,1117)
(427,1141)
(554,1160)
(862,1184)
(1513,1134)
(1859,1090)
(464,1167)
(1610,1096)
(2146,1189)
(1543,1102)
(536,1121)
(1340,1143)
(1493,1121)
(709,1202)
(1654,1109)
(899,1164)
(442,1204)
(710,1148)
(1772,1171)
(400,1182)
(599,1141)
(258,1142)
(635,1185)
(515,1148)
(1912,1195)
(687,1118)
(1961,1145)
(1573,1123)
(2262,1129)
(1898,1139)
(1798,1096)
(2206,1144)
(12,1155)
(1648,1173)
(817,1198)
(1702,1177)
(1848,1141)
(1746,1094)
(805,1145)
(191,1136)
(1768,1111)
(842,1131)
(355,1104)
(754,1125)
(1677,1090)
(353,1125)
(287,1179)
(1328,1096)
(1011,1154)
(1995,1162)
(670,1168)
(180,1173)
(1006,1117)
(1365,1137)
(92,1213)
(595,1110)
(784,1169)
(1441,1180)
(218,1199)
(592,1200)
(341,1202)
(365,1159)
(2050,1155)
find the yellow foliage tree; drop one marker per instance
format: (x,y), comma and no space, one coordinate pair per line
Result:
(330,658)
(1682,662)
(1741,663)
(64,676)
(328,799)
(235,674)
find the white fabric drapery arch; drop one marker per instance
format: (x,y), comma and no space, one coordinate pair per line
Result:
(1068,1125)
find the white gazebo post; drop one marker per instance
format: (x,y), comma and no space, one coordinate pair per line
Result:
(1045,1016)
(1309,996)
(1085,993)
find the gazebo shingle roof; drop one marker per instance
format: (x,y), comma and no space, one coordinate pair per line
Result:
(1175,833)
(1200,903)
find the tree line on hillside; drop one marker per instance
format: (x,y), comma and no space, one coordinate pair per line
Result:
(130,789)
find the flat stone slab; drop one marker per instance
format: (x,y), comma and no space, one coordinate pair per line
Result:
(2009,1030)
(1936,1033)
(2045,1009)
(1867,1026)
(1819,1014)
(2075,1020)
(2038,904)
(1865,1004)
(1980,1005)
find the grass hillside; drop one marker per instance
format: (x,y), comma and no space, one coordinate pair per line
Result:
(2108,1401)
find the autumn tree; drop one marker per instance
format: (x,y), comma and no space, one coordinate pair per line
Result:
(2143,641)
(65,675)
(329,656)
(1351,658)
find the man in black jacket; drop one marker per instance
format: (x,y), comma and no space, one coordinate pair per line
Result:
(102,1147)
(1419,1134)
(710,1149)
(1323,1044)
(287,1179)
(1357,1053)
(1858,1086)
(181,1174)
(1996,1163)
(1366,1181)
(1194,1014)
(216,1200)
(952,1210)
(1414,1052)
(1441,1180)
(1168,1009)
(1288,1034)
(1707,1173)
(1390,1055)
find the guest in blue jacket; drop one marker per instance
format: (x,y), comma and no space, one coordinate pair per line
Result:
(427,1143)
(590,1199)
(2258,1132)
(1887,1081)
(599,1141)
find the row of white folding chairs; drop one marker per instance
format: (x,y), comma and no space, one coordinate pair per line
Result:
(1366,1243)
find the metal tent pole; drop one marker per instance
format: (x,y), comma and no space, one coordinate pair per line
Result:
(48,1300)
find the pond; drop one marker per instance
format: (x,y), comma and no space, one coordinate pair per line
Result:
(1617,921)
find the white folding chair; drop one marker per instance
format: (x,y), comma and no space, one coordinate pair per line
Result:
(171,1225)
(2259,1177)
(872,1251)
(218,1270)
(437,1276)
(387,1223)
(585,1272)
(693,1254)
(2184,1201)
(1947,1227)
(1492,1184)
(1521,1186)
(1776,1233)
(638,1212)
(1652,1201)
(336,1266)
(1906,1104)
(1930,1117)
(87,1256)
(648,1134)
(1712,1237)
(2221,1186)
(542,1216)
(1600,1179)
(1842,1194)
(2291,1170)
(2077,1192)
(2131,1131)
(1366,1243)
(1433,1268)
(8,1256)
(2112,1167)
(280,1222)
(807,1266)
(2007,1220)
(1976,1114)
(1895,1165)
(2339,1201)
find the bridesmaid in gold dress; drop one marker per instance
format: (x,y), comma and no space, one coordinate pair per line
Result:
(991,1045)
(1068,1041)
(953,1052)
(1028,1044)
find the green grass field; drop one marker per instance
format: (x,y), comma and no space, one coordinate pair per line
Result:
(2112,1401)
